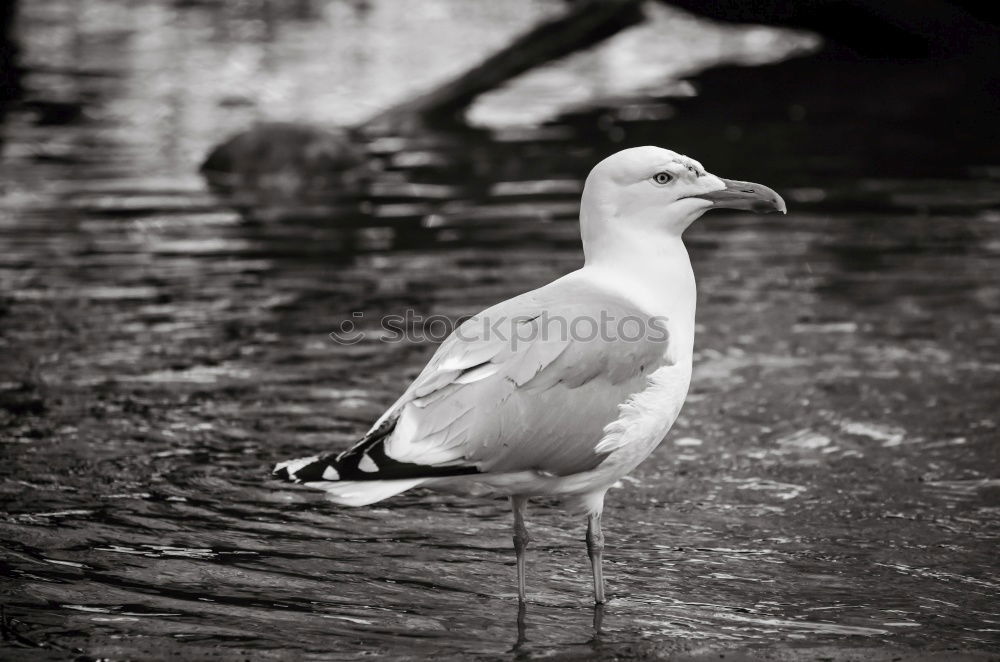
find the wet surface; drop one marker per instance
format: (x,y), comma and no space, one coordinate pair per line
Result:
(830,489)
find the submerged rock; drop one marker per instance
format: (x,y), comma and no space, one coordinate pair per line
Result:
(280,169)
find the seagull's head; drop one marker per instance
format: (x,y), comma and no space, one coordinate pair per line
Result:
(653,189)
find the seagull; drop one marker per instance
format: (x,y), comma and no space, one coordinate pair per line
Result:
(563,390)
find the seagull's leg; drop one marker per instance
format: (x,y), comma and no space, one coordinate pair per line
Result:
(519,504)
(595,640)
(522,628)
(595,549)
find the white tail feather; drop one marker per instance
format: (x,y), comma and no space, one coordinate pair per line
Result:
(363,492)
(291,466)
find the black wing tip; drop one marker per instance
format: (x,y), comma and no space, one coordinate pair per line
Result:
(374,465)
(312,472)
(365,461)
(307,469)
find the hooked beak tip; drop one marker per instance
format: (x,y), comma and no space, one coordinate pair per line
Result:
(746,196)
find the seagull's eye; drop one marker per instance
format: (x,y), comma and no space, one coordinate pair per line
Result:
(662,178)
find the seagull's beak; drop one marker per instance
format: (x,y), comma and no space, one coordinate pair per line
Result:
(745,195)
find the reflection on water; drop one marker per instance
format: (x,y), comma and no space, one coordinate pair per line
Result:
(831,481)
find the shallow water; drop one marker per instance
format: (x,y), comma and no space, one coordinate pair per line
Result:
(830,489)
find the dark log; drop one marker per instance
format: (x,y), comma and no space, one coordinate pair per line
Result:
(585,24)
(275,166)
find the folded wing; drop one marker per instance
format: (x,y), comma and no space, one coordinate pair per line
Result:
(528,384)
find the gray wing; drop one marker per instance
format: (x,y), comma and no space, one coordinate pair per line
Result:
(527,384)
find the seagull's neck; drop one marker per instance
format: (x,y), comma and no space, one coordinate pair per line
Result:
(652,270)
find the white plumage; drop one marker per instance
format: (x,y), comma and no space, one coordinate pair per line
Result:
(565,389)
